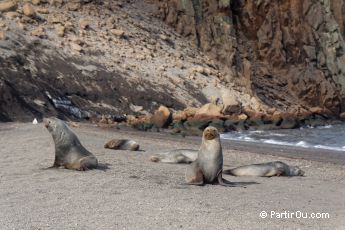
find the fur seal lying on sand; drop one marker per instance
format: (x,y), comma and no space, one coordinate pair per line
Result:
(186,156)
(275,168)
(69,152)
(208,167)
(122,144)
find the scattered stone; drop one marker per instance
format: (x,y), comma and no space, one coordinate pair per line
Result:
(210,109)
(199,69)
(69,25)
(6,6)
(230,102)
(56,2)
(163,37)
(316,110)
(83,24)
(136,108)
(21,26)
(54,19)
(28,10)
(75,40)
(255,103)
(73,6)
(2,35)
(190,111)
(242,117)
(60,30)
(39,32)
(117,32)
(42,10)
(179,116)
(271,110)
(36,2)
(39,102)
(11,14)
(76,47)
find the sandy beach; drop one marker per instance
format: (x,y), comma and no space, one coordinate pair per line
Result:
(134,193)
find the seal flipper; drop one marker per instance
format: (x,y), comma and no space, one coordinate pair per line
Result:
(228,172)
(194,175)
(221,181)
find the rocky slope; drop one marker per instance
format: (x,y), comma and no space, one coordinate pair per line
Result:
(86,58)
(289,54)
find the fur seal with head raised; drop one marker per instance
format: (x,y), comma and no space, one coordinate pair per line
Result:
(208,166)
(186,156)
(269,169)
(122,144)
(69,152)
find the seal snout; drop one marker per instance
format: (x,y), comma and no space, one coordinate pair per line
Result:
(210,133)
(46,122)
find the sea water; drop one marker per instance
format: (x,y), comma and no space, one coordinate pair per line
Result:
(331,137)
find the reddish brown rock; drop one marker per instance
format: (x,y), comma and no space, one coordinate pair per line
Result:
(190,111)
(162,117)
(28,10)
(8,6)
(210,109)
(288,54)
(342,116)
(179,116)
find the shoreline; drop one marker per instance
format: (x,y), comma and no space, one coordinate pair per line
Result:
(287,151)
(293,152)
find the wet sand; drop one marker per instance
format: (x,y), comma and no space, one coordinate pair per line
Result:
(134,193)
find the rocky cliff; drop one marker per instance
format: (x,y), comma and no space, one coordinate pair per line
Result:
(289,54)
(87,58)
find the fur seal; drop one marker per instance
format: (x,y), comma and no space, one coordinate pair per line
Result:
(186,156)
(274,168)
(122,144)
(208,167)
(69,152)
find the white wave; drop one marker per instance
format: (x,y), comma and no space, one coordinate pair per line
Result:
(257,131)
(275,142)
(325,127)
(328,147)
(278,134)
(247,138)
(302,144)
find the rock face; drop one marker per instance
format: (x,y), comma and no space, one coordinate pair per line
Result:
(85,59)
(289,54)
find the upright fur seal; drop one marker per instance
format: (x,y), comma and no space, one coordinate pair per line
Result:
(69,152)
(186,156)
(208,167)
(123,144)
(274,168)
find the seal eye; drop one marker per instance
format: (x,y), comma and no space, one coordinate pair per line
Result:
(209,135)
(47,123)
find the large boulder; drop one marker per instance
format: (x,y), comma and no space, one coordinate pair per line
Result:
(230,102)
(210,110)
(162,117)
(6,6)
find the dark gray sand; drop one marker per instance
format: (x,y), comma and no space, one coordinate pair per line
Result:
(135,193)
